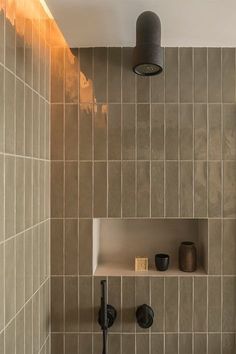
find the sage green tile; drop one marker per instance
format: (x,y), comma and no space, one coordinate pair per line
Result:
(114,75)
(229,126)
(10,339)
(20,274)
(128,304)
(186,131)
(171,189)
(85,189)
(57,131)
(71,343)
(214,132)
(71,132)
(143,89)
(10,123)
(85,131)
(157,131)
(200,74)
(228,343)
(228,74)
(114,189)
(215,245)
(157,188)
(128,82)
(157,344)
(214,304)
(143,132)
(100,74)
(171,343)
(85,247)
(229,247)
(100,189)
(186,304)
(85,304)
(171,304)
(10,281)
(29,122)
(114,297)
(171,75)
(185,343)
(214,74)
(200,343)
(142,343)
(143,188)
(57,305)
(128,188)
(142,295)
(71,304)
(128,131)
(229,179)
(186,188)
(214,189)
(86,75)
(9,196)
(100,132)
(186,74)
(20,190)
(71,246)
(200,304)
(71,189)
(128,343)
(114,132)
(229,304)
(20,335)
(20,118)
(200,132)
(200,189)
(157,303)
(171,132)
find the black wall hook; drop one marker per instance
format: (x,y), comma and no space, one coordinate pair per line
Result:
(144,316)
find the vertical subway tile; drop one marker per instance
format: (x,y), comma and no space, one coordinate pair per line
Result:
(185,304)
(229,247)
(36,190)
(200,189)
(96,300)
(85,189)
(128,82)
(143,132)
(29,122)
(157,303)
(228,74)
(36,124)
(214,343)
(229,179)
(157,131)
(200,75)
(171,343)
(57,195)
(100,132)
(114,75)
(143,89)
(2,299)
(2,98)
(214,74)
(57,343)
(114,189)
(85,131)
(171,75)
(10,284)
(157,88)
(214,304)
(85,246)
(200,343)
(186,188)
(128,343)
(85,343)
(28,264)
(71,343)
(10,343)
(2,24)
(186,74)
(128,188)
(171,189)
(57,307)
(20,335)
(9,196)
(85,304)
(100,189)
(9,101)
(214,189)
(71,304)
(71,246)
(100,74)
(143,189)
(86,75)
(114,132)
(186,131)
(171,132)
(229,304)
(128,132)
(157,343)
(142,294)
(57,70)
(229,136)
(157,188)
(114,344)
(114,297)
(71,189)
(228,343)
(71,75)
(28,327)
(214,132)
(57,133)
(20,275)
(200,132)
(10,39)
(200,304)
(142,343)
(171,304)
(28,51)
(20,118)
(185,343)
(71,132)
(20,185)
(128,304)
(2,197)
(215,244)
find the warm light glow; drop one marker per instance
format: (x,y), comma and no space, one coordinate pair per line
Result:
(46,9)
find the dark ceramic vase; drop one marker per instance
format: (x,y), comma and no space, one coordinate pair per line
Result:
(162,261)
(187,257)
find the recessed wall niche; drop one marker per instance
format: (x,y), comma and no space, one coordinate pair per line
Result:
(116,243)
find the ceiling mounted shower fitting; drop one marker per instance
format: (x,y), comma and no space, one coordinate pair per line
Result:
(148,53)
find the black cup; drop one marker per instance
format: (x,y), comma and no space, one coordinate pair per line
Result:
(162,261)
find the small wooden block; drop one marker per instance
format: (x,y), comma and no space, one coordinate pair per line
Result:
(141,264)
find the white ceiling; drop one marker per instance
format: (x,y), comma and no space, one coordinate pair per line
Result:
(95,23)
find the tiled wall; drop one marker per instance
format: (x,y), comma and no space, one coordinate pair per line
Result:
(127,146)
(24,181)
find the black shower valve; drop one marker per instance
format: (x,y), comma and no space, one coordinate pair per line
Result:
(145,316)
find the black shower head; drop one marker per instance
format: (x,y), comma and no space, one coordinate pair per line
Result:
(148,53)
